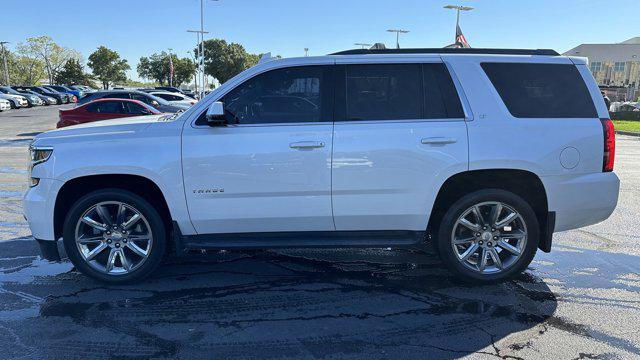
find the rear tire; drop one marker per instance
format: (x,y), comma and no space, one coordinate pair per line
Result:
(114,236)
(506,234)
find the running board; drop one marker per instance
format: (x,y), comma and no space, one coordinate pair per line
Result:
(296,239)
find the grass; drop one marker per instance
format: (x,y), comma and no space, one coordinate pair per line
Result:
(625,125)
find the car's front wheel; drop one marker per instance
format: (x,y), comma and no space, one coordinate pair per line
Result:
(488,235)
(114,235)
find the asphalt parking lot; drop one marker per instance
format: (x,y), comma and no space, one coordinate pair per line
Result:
(582,301)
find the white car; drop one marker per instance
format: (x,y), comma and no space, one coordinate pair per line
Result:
(484,153)
(16,101)
(174,98)
(4,105)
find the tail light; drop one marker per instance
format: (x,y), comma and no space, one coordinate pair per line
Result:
(609,145)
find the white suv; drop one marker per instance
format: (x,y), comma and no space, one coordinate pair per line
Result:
(485,152)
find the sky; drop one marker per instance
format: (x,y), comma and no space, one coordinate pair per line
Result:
(137,28)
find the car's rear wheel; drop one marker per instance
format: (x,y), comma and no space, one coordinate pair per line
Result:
(114,236)
(488,235)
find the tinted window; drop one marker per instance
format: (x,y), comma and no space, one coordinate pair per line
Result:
(441,98)
(290,95)
(541,90)
(116,95)
(383,91)
(133,108)
(107,107)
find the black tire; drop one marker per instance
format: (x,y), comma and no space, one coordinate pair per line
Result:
(152,216)
(445,248)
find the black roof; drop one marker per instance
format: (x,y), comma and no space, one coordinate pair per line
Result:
(547,52)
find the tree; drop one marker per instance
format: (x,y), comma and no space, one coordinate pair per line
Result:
(156,67)
(53,55)
(23,70)
(107,66)
(72,73)
(223,60)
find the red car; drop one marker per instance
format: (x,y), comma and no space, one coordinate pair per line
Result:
(104,109)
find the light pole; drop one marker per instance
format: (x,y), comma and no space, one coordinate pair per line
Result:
(458,9)
(198,54)
(306,52)
(170,68)
(201,49)
(364,46)
(4,58)
(398,32)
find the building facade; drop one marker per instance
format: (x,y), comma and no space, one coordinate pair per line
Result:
(616,67)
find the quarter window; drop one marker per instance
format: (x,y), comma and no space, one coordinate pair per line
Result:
(541,90)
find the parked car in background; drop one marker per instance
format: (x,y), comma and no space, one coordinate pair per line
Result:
(158,103)
(16,101)
(174,98)
(60,97)
(32,100)
(4,105)
(61,88)
(46,100)
(72,98)
(176,90)
(104,109)
(85,89)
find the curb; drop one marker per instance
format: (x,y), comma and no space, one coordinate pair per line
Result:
(628,133)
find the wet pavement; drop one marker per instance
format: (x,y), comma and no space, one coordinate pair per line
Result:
(582,301)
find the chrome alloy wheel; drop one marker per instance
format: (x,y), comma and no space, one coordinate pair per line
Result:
(489,237)
(113,238)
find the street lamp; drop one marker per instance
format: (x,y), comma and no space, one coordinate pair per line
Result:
(458,9)
(201,48)
(364,46)
(197,54)
(4,57)
(398,32)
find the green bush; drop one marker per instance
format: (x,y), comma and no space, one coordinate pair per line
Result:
(625,115)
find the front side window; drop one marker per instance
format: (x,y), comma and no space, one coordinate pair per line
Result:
(136,109)
(289,95)
(531,90)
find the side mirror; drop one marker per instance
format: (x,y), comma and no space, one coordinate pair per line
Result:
(215,114)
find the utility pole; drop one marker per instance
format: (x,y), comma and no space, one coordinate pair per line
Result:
(458,9)
(4,57)
(364,45)
(398,32)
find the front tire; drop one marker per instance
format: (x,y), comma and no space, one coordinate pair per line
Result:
(114,236)
(488,236)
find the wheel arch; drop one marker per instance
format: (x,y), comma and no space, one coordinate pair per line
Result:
(523,183)
(75,188)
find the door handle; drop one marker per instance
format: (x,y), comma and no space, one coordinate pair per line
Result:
(438,140)
(306,145)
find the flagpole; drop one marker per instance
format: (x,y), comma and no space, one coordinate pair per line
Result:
(455,33)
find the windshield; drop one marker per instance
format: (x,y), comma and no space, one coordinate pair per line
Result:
(8,90)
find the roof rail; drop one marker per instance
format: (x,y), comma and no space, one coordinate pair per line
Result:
(547,52)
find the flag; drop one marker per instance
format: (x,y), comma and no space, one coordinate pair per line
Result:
(461,41)
(170,71)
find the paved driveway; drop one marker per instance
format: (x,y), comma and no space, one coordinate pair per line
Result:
(582,301)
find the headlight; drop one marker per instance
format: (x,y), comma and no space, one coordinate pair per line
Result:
(37,155)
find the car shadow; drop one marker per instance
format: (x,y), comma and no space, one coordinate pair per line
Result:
(267,304)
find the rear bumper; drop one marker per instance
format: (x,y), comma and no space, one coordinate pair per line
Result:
(581,200)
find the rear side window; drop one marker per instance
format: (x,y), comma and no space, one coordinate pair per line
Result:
(541,90)
(106,107)
(396,92)
(383,91)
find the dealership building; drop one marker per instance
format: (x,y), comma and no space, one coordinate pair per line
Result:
(616,67)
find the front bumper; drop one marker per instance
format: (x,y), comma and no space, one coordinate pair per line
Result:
(49,250)
(38,206)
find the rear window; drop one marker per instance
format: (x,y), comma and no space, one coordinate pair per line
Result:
(541,90)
